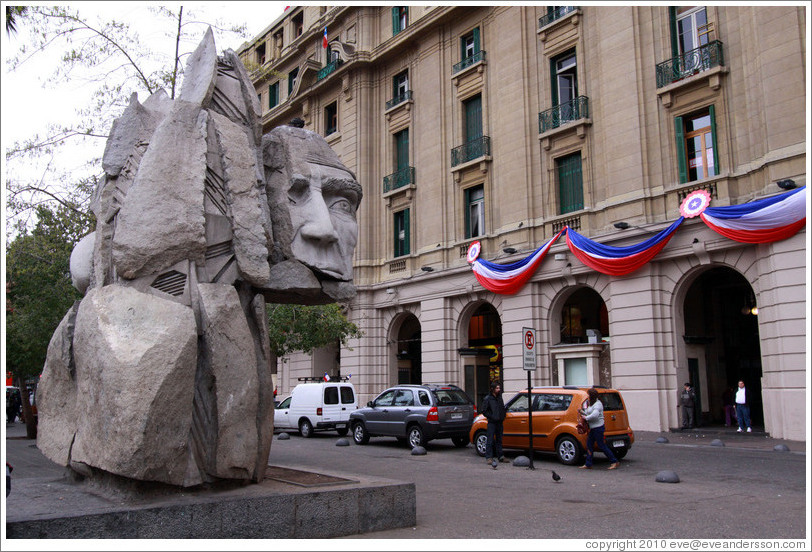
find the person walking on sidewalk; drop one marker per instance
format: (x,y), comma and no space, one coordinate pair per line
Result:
(594,417)
(493,408)
(743,408)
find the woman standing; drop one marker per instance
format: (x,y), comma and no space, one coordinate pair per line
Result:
(594,417)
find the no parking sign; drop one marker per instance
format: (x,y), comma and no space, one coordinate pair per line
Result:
(529,348)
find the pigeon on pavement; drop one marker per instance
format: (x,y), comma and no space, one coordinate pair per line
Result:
(556,477)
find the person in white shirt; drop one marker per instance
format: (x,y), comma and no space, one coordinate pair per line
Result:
(743,408)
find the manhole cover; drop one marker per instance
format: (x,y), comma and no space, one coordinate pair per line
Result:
(303,478)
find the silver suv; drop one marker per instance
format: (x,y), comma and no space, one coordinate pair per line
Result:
(416,414)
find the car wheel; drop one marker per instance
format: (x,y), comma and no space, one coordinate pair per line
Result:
(359,434)
(460,441)
(343,431)
(306,428)
(481,442)
(416,437)
(568,450)
(620,453)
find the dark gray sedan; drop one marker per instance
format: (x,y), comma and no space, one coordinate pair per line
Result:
(416,414)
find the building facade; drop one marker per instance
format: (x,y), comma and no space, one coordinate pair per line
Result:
(506,124)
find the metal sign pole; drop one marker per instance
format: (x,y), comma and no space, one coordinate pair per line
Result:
(530,421)
(529,364)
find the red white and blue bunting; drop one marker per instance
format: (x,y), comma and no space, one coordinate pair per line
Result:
(762,221)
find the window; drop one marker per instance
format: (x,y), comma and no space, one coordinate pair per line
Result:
(404,397)
(298,25)
(565,84)
(473,118)
(261,53)
(347,396)
(570,183)
(402,233)
(330,118)
(385,398)
(696,145)
(273,95)
(402,150)
(689,28)
(400,85)
(400,19)
(575,371)
(284,404)
(470,44)
(424,398)
(331,395)
(474,211)
(518,404)
(552,402)
(292,80)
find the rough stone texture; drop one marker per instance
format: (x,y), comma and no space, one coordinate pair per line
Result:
(666,476)
(200,73)
(57,397)
(161,224)
(244,197)
(229,351)
(292,282)
(81,262)
(262,347)
(135,360)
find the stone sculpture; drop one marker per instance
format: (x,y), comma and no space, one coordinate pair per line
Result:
(162,372)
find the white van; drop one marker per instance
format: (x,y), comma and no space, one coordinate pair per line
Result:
(317,406)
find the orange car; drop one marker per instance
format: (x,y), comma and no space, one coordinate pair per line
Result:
(555,415)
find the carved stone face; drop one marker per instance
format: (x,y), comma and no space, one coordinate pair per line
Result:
(313,199)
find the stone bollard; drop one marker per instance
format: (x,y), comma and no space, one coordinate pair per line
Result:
(661,440)
(283,436)
(418,451)
(717,443)
(667,476)
(781,448)
(521,462)
(343,442)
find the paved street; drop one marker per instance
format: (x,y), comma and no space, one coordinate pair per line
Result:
(742,490)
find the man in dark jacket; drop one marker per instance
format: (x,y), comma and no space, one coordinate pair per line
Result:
(493,408)
(687,400)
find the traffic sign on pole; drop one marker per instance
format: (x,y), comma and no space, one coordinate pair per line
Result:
(529,348)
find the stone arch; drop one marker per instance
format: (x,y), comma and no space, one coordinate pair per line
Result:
(404,352)
(479,340)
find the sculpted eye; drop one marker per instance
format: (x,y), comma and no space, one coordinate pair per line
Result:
(342,205)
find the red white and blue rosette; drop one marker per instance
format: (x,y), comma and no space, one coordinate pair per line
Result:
(473,251)
(694,204)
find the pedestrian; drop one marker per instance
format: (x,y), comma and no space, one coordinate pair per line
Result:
(729,403)
(743,408)
(687,401)
(594,417)
(493,408)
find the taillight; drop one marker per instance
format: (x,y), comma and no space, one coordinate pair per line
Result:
(433,415)
(475,412)
(318,411)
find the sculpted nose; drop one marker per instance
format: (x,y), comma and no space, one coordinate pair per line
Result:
(319,225)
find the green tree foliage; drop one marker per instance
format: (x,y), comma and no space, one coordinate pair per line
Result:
(304,328)
(39,290)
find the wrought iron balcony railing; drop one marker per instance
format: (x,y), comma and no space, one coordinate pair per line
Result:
(564,113)
(556,13)
(398,179)
(399,99)
(479,147)
(699,59)
(329,68)
(469,61)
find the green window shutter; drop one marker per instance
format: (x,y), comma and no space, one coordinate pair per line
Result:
(672,23)
(273,95)
(554,82)
(395,21)
(712,112)
(473,119)
(406,248)
(402,147)
(477,47)
(570,183)
(462,48)
(679,131)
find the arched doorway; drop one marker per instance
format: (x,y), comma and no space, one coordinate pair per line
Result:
(722,342)
(482,358)
(584,315)
(409,351)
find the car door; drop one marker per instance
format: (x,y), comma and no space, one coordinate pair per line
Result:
(516,422)
(402,407)
(348,402)
(331,407)
(549,409)
(374,416)
(281,415)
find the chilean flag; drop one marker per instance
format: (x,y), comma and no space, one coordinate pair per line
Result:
(762,221)
(508,279)
(324,40)
(618,261)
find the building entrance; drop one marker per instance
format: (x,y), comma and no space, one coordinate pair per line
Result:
(722,343)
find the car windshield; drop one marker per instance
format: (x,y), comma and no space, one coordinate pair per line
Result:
(450,397)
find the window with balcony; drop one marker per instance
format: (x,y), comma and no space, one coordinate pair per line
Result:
(273,95)
(474,211)
(690,29)
(554,13)
(400,19)
(401,233)
(692,49)
(402,149)
(476,143)
(473,118)
(697,156)
(565,85)
(331,118)
(292,76)
(570,183)
(471,51)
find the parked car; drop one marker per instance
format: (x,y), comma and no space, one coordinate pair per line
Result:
(416,414)
(317,406)
(555,415)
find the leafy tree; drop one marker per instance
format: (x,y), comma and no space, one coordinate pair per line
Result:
(39,292)
(304,328)
(114,61)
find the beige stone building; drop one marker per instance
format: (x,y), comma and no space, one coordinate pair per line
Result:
(503,125)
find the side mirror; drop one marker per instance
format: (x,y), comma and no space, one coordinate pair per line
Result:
(371,404)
